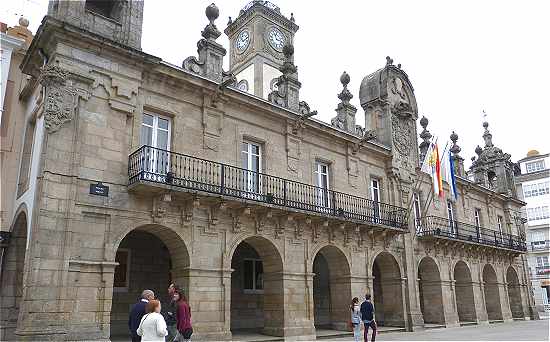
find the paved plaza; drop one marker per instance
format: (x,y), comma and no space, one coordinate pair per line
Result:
(513,331)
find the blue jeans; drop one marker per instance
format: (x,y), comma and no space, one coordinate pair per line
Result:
(368,324)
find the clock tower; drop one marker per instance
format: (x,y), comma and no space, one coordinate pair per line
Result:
(257,37)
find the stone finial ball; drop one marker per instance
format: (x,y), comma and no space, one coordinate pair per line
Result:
(485,124)
(424,122)
(478,150)
(454,137)
(344,79)
(212,12)
(24,22)
(288,50)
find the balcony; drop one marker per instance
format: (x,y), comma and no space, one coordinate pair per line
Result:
(443,228)
(543,270)
(150,168)
(537,246)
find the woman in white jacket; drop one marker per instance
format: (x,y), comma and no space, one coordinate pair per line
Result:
(152,327)
(355,319)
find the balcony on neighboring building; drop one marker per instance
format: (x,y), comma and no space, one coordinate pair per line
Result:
(542,270)
(443,228)
(155,170)
(539,246)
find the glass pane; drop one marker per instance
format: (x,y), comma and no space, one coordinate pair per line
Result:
(146,135)
(255,149)
(255,163)
(248,275)
(244,147)
(259,275)
(244,158)
(162,140)
(147,119)
(324,182)
(163,123)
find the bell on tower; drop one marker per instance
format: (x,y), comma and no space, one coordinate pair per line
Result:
(257,38)
(117,20)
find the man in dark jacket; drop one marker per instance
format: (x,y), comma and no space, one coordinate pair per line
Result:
(170,313)
(137,312)
(367,315)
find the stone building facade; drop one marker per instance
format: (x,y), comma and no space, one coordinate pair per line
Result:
(144,173)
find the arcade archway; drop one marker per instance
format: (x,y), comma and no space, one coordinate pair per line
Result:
(430,292)
(387,291)
(514,293)
(464,293)
(492,293)
(331,288)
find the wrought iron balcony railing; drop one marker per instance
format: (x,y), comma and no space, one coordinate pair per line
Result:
(149,164)
(543,270)
(445,228)
(539,245)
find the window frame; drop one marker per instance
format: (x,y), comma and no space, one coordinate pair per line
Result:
(535,165)
(249,162)
(323,199)
(254,290)
(155,128)
(128,265)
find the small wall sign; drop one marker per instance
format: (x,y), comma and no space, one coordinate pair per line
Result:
(99,189)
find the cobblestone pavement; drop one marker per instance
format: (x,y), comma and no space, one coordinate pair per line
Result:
(512,331)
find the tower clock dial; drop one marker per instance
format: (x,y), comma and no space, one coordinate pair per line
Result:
(242,41)
(276,38)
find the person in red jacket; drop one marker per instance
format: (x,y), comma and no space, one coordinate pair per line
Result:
(183,317)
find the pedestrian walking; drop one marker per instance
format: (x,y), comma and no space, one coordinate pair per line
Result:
(170,314)
(356,319)
(183,317)
(152,327)
(137,312)
(367,315)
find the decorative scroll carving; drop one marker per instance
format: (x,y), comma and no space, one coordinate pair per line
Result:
(60,98)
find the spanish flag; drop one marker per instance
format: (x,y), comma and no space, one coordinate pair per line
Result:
(432,166)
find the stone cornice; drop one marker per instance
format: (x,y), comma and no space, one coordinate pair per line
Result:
(268,13)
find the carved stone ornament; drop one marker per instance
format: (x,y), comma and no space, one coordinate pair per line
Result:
(59,98)
(402,132)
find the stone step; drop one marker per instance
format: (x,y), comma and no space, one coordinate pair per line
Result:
(465,324)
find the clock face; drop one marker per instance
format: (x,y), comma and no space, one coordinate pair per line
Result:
(242,41)
(276,39)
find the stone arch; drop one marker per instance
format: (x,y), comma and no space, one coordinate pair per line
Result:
(388,290)
(12,275)
(514,292)
(150,256)
(492,293)
(257,292)
(464,292)
(430,291)
(331,287)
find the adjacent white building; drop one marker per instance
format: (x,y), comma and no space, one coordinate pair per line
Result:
(534,188)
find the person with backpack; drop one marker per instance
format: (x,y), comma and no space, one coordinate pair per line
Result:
(367,315)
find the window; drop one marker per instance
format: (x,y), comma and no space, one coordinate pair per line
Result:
(110,9)
(375,196)
(451,216)
(155,131)
(537,236)
(416,206)
(542,261)
(499,224)
(253,275)
(322,183)
(26,159)
(251,155)
(534,166)
(538,189)
(477,217)
(122,270)
(538,213)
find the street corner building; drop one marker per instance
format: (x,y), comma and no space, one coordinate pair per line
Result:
(133,173)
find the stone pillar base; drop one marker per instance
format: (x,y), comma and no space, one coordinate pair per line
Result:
(416,322)
(41,334)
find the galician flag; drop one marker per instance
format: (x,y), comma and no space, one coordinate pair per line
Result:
(432,166)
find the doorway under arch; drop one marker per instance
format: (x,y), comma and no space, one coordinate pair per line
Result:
(149,257)
(388,291)
(464,293)
(430,292)
(11,290)
(492,293)
(257,293)
(331,288)
(514,293)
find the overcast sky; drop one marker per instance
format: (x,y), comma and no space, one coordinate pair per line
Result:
(462,57)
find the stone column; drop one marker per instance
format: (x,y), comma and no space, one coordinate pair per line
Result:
(504,301)
(449,303)
(413,314)
(479,297)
